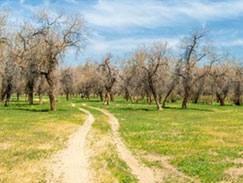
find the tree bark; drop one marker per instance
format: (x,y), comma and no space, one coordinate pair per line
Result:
(30,86)
(67,96)
(167,96)
(40,99)
(220,99)
(50,81)
(7,100)
(126,95)
(157,103)
(8,94)
(101,96)
(107,98)
(112,97)
(196,98)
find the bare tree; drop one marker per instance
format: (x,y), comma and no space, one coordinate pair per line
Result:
(194,51)
(237,84)
(109,76)
(67,81)
(57,33)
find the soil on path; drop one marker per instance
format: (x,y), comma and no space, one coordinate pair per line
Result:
(143,174)
(71,165)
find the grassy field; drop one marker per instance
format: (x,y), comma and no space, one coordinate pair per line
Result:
(203,141)
(29,135)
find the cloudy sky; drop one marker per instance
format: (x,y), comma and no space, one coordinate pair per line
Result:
(118,26)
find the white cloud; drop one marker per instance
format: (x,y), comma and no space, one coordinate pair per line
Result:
(236,42)
(156,13)
(100,45)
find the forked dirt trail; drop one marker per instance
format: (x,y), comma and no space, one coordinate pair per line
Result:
(71,164)
(144,174)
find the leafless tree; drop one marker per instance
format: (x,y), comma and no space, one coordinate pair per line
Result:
(195,51)
(57,32)
(108,75)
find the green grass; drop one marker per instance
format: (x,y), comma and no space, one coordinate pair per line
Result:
(204,140)
(29,135)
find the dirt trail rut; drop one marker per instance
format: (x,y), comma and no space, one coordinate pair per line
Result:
(71,163)
(144,174)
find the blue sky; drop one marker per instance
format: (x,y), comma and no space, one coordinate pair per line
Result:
(119,26)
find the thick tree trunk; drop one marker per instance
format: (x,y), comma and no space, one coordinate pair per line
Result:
(220,99)
(8,95)
(196,98)
(31,98)
(30,86)
(186,96)
(107,98)
(67,96)
(237,93)
(49,78)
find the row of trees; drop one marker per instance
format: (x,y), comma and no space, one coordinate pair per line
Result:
(30,55)
(33,51)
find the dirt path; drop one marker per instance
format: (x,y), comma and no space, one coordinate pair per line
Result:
(71,164)
(144,174)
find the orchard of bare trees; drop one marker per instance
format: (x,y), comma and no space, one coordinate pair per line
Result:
(194,71)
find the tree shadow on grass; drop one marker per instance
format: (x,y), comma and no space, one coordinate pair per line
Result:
(188,109)
(35,110)
(166,108)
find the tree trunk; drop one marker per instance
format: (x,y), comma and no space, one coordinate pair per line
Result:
(8,94)
(149,99)
(18,97)
(167,96)
(112,97)
(126,95)
(237,101)
(50,81)
(31,98)
(40,99)
(157,103)
(67,96)
(30,86)
(184,103)
(196,98)
(237,94)
(7,100)
(186,96)
(101,96)
(107,98)
(220,99)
